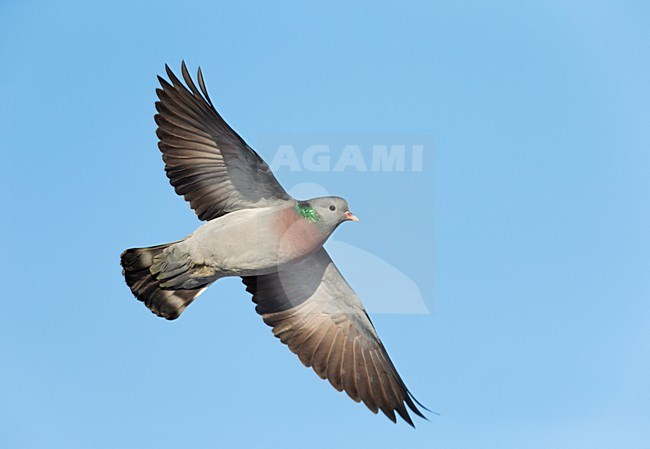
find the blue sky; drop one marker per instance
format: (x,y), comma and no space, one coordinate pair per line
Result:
(525,233)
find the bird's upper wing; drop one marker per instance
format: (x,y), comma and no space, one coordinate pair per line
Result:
(314,311)
(205,160)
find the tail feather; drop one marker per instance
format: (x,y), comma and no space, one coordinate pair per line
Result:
(166,303)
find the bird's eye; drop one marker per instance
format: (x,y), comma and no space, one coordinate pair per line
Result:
(332,208)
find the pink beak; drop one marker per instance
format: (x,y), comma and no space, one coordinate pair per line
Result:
(350,216)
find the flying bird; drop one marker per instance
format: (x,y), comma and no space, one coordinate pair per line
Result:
(255,230)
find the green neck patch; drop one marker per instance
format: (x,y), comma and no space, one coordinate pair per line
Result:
(307,212)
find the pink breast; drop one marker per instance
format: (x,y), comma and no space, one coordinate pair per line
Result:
(297,237)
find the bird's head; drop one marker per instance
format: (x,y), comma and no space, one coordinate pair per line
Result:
(327,211)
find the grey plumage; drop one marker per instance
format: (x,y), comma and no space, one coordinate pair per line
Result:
(256,231)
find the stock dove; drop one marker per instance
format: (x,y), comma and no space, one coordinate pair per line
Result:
(255,230)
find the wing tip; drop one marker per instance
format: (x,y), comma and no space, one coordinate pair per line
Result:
(168,71)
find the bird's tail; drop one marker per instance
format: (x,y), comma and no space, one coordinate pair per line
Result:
(164,302)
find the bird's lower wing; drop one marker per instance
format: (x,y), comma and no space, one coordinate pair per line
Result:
(314,311)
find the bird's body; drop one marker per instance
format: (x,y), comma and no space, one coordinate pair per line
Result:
(247,242)
(256,231)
